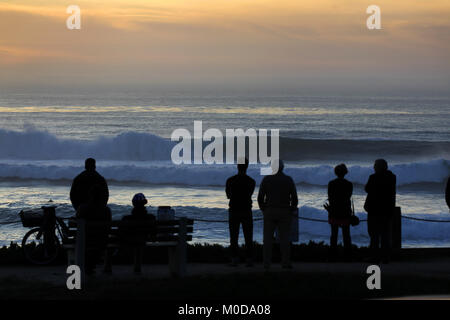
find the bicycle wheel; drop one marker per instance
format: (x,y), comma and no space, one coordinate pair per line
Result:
(37,250)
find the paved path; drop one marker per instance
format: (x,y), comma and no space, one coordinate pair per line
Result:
(57,276)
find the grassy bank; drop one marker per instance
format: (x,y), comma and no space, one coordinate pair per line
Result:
(200,253)
(214,253)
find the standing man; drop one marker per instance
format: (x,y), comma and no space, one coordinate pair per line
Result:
(239,190)
(277,199)
(380,205)
(83,184)
(89,195)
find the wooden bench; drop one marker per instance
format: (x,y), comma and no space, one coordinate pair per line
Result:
(173,234)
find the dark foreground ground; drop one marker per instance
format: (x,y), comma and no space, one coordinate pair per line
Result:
(414,272)
(221,282)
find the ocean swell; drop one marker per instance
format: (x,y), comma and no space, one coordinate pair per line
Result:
(164,172)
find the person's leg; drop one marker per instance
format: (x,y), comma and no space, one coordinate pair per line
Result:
(90,251)
(347,241)
(247,228)
(91,260)
(284,228)
(372,230)
(269,229)
(138,253)
(379,226)
(333,240)
(374,233)
(386,236)
(234,223)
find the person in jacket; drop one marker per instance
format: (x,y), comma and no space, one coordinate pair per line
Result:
(94,210)
(239,189)
(340,210)
(380,205)
(82,184)
(277,199)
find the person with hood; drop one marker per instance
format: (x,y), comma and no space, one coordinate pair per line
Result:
(82,184)
(277,199)
(380,205)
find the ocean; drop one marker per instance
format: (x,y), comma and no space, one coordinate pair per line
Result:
(44,139)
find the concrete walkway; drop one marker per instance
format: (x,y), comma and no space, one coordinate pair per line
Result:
(57,274)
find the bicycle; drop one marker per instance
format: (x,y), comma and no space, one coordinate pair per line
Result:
(42,244)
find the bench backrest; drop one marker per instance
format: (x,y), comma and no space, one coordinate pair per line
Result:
(165,230)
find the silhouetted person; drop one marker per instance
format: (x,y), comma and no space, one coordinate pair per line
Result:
(380,205)
(94,210)
(136,237)
(340,210)
(79,193)
(239,190)
(447,193)
(277,198)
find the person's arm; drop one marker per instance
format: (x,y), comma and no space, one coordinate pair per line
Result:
(351,189)
(447,193)
(330,191)
(252,188)
(294,196)
(74,197)
(228,189)
(106,190)
(394,190)
(368,185)
(262,196)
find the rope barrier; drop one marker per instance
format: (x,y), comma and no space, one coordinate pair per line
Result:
(325,221)
(9,222)
(426,220)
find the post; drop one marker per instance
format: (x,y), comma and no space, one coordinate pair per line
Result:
(80,248)
(397,229)
(177,255)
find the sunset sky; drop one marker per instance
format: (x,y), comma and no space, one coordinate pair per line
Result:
(318,44)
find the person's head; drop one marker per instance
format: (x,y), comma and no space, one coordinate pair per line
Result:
(380,165)
(139,200)
(277,166)
(89,164)
(242,167)
(340,170)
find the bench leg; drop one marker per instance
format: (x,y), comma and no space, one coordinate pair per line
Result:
(70,257)
(80,249)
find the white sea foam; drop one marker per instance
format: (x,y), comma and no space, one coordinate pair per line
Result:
(144,157)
